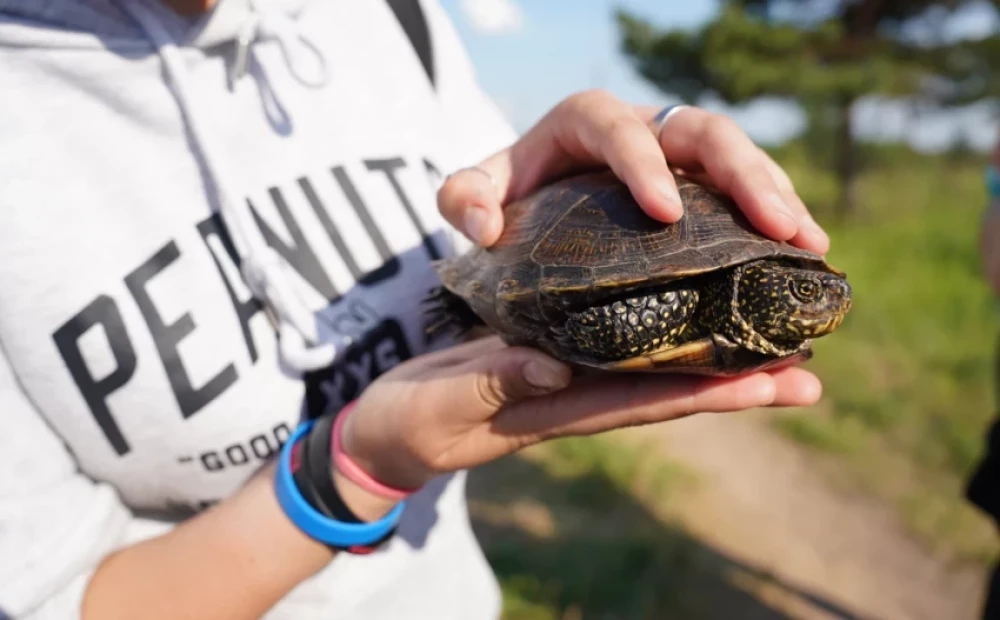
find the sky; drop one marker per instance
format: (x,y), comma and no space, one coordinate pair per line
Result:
(531,54)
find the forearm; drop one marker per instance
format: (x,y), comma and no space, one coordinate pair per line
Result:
(235,560)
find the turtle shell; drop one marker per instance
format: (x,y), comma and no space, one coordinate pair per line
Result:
(584,239)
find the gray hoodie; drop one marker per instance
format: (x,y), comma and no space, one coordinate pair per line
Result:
(209,229)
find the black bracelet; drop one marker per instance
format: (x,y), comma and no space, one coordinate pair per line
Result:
(300,474)
(320,474)
(313,476)
(318,470)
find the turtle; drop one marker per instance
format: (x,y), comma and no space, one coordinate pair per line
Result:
(582,273)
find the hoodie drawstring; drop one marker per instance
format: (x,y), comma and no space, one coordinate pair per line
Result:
(272,25)
(267,274)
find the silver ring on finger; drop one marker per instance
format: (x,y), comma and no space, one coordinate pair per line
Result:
(664,115)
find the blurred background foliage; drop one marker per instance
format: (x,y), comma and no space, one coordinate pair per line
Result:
(910,378)
(909,382)
(826,56)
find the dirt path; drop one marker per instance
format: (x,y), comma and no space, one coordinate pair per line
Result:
(763,503)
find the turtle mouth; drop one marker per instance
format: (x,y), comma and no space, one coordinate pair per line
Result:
(623,328)
(819,327)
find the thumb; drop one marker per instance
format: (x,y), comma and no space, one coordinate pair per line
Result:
(471,201)
(510,375)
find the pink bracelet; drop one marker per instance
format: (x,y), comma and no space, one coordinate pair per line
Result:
(352,471)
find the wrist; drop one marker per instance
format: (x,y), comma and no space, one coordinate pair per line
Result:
(306,491)
(366,505)
(379,452)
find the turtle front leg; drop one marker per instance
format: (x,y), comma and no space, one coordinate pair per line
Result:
(446,312)
(637,325)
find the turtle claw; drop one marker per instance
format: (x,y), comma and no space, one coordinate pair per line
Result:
(563,337)
(447,312)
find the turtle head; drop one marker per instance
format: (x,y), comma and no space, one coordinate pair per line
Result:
(788,304)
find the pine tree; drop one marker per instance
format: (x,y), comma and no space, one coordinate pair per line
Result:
(826,56)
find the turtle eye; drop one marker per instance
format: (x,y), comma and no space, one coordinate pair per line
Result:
(805,290)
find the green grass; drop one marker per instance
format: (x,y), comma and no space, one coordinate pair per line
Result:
(606,547)
(841,435)
(609,550)
(909,377)
(627,576)
(594,470)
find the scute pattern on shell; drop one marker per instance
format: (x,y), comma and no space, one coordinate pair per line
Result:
(606,232)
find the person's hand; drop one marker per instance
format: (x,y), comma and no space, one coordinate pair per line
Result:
(470,404)
(594,128)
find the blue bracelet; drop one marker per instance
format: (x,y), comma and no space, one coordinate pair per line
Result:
(316,525)
(992,182)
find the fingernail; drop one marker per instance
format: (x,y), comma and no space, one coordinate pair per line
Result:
(670,193)
(545,375)
(474,222)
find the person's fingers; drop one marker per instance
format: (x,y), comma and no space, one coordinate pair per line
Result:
(460,353)
(514,397)
(586,130)
(796,387)
(487,383)
(610,403)
(427,414)
(471,199)
(594,128)
(597,127)
(810,236)
(606,403)
(696,139)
